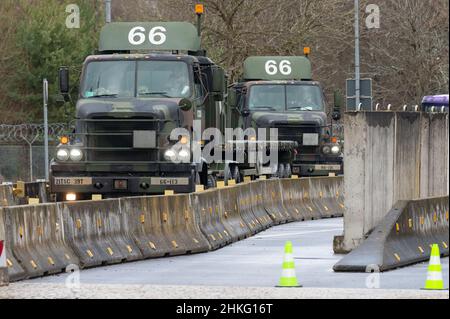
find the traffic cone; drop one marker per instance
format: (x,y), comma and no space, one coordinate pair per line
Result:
(288,277)
(434,276)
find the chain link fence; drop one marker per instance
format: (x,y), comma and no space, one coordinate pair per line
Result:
(22,150)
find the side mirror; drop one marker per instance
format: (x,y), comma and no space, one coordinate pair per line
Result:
(218,80)
(64,80)
(337,106)
(245,112)
(185,104)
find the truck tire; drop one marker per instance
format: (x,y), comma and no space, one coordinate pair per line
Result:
(227,175)
(280,170)
(211,183)
(288,171)
(235,174)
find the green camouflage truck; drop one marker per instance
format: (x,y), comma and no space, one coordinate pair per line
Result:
(146,80)
(279,92)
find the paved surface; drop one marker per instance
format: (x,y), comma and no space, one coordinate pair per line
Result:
(92,291)
(254,262)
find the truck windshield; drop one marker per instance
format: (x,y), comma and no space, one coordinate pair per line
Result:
(136,78)
(281,97)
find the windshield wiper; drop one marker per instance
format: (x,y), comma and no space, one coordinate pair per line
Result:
(302,108)
(103,95)
(264,107)
(156,93)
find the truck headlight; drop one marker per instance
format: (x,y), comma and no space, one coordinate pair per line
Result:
(62,154)
(326,149)
(76,154)
(335,149)
(184,155)
(170,155)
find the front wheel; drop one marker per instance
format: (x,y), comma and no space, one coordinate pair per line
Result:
(236,175)
(211,183)
(288,171)
(280,171)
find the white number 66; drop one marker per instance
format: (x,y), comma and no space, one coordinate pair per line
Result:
(156,35)
(284,67)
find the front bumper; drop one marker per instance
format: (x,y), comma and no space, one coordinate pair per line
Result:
(319,168)
(155,178)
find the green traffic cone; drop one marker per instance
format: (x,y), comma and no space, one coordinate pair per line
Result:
(288,277)
(434,277)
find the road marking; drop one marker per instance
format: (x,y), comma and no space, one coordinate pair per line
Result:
(299,233)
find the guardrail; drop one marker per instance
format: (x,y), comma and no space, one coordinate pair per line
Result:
(44,239)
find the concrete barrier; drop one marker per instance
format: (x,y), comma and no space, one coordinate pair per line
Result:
(145,224)
(327,195)
(296,199)
(209,216)
(403,237)
(179,225)
(97,232)
(246,207)
(6,195)
(258,203)
(36,239)
(228,198)
(272,200)
(46,238)
(4,278)
(10,269)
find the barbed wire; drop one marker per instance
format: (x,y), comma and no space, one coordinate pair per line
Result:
(30,133)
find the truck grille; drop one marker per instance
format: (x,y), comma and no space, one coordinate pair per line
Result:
(295,133)
(111,139)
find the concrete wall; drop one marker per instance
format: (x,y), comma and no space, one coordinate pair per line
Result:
(389,156)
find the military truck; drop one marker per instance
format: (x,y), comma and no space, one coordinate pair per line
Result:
(279,92)
(146,79)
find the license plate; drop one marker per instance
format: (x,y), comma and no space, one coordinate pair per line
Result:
(169,181)
(310,139)
(72,181)
(327,167)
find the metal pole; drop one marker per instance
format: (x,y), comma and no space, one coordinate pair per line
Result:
(357,62)
(45,94)
(108,10)
(31,161)
(199,24)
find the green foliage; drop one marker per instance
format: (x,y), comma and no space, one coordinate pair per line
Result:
(45,44)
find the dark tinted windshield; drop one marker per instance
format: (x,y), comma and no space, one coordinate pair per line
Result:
(154,78)
(286,97)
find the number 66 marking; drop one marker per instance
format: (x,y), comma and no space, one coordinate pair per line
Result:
(156,35)
(284,67)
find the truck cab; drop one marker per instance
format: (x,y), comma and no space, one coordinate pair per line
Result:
(147,80)
(278,92)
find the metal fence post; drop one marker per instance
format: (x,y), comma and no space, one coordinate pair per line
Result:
(45,94)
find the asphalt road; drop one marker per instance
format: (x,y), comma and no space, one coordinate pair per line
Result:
(256,262)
